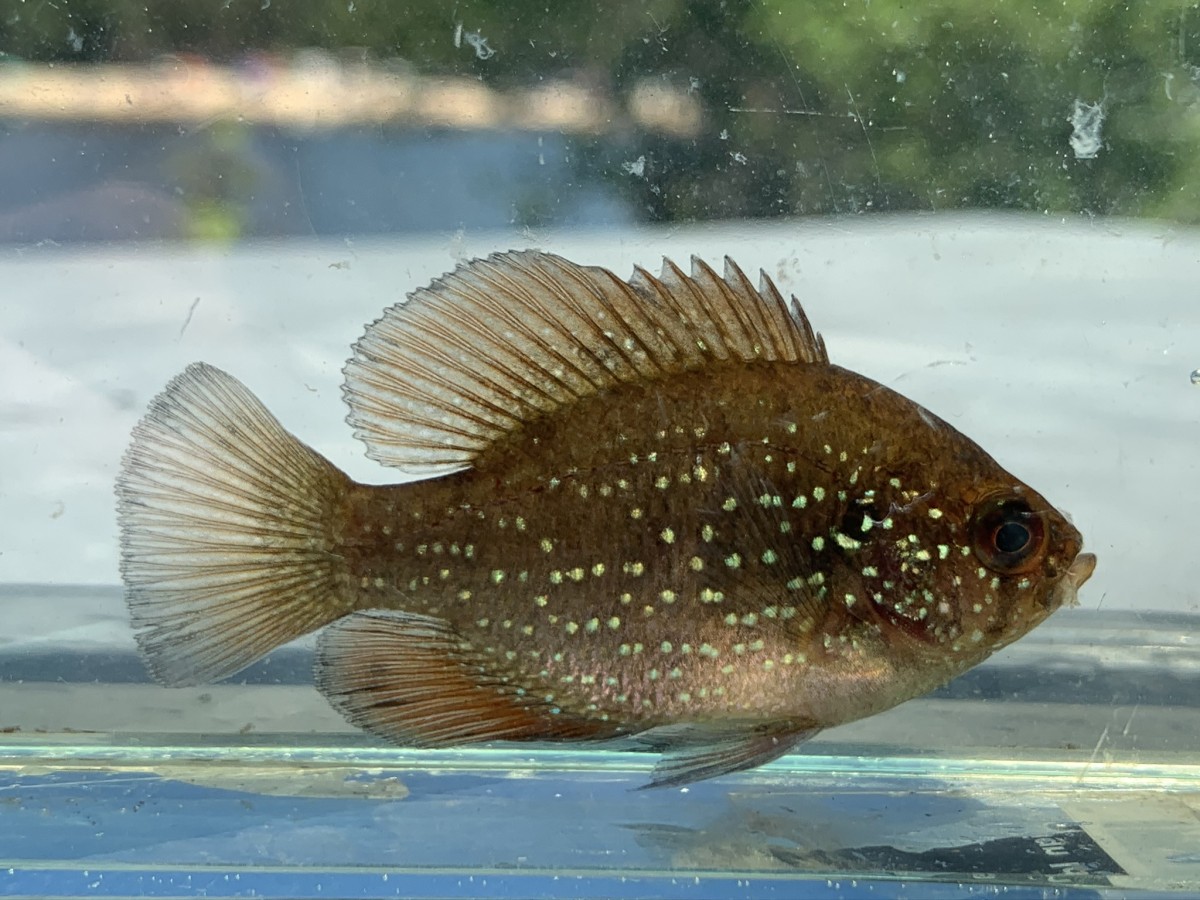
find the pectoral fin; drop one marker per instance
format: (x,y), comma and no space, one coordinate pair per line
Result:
(696,752)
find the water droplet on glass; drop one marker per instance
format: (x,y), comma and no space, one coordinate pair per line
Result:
(1195,376)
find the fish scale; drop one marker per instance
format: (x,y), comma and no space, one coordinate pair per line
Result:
(649,508)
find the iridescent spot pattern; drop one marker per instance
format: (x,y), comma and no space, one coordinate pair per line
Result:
(647,507)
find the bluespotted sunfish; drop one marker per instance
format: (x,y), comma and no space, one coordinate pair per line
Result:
(648,508)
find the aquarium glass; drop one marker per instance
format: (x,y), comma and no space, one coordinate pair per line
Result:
(990,208)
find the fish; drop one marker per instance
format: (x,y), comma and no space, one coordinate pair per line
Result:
(646,510)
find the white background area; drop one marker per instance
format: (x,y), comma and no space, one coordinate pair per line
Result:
(1064,348)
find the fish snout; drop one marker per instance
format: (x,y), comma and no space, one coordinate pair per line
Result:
(1073,579)
(1081,570)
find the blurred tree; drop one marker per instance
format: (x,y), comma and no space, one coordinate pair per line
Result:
(967,105)
(810,107)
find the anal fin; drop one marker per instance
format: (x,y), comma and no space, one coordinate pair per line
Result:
(696,752)
(414,681)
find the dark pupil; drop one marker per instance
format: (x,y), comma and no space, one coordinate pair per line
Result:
(1012,537)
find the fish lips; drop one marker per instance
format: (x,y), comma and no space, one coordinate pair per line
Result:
(1065,592)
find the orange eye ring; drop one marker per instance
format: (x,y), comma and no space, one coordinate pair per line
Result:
(1007,535)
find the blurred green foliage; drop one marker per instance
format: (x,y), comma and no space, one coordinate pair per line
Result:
(810,106)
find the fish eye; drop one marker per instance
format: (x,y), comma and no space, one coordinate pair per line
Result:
(1013,537)
(1007,535)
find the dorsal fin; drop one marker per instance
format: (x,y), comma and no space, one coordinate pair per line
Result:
(505,339)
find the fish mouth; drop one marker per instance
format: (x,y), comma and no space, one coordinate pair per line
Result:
(1079,572)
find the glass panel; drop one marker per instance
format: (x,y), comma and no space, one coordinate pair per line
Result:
(988,209)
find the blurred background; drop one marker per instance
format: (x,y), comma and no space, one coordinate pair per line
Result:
(221,120)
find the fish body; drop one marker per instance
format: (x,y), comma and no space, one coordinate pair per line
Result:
(653,508)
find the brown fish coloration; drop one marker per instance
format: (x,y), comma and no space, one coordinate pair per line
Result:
(650,508)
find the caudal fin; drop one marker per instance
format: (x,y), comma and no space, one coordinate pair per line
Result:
(227,547)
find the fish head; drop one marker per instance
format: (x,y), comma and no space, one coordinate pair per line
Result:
(963,555)
(1032,561)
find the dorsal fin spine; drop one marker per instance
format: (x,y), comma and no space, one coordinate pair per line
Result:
(726,313)
(713,342)
(636,358)
(739,339)
(669,329)
(746,311)
(779,308)
(760,306)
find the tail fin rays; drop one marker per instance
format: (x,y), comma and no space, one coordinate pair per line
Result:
(227,547)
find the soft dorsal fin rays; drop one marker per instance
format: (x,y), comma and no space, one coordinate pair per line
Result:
(503,340)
